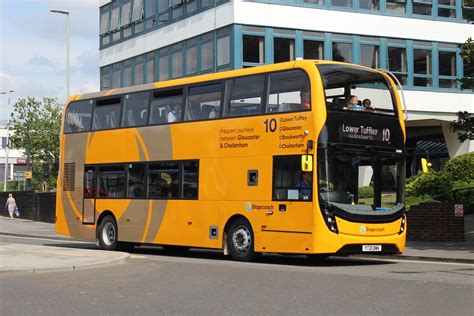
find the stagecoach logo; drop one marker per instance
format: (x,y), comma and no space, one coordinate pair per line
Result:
(362,229)
(248,206)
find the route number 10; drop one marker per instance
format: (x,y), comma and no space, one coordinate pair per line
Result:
(270,125)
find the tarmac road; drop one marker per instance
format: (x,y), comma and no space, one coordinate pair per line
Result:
(206,282)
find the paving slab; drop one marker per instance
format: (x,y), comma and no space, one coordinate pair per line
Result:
(33,258)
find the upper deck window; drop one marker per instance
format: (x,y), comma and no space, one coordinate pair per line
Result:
(289,91)
(106,114)
(78,117)
(167,107)
(204,102)
(135,109)
(246,95)
(351,89)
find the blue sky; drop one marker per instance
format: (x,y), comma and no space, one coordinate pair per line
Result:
(33,49)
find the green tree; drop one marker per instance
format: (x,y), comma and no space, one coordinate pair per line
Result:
(464,126)
(467,55)
(35,125)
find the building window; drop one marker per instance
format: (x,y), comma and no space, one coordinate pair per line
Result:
(191,60)
(369,4)
(342,3)
(137,12)
(105,78)
(207,56)
(422,7)
(253,47)
(246,95)
(223,51)
(127,73)
(111,182)
(422,66)
(126,11)
(447,69)
(342,52)
(138,71)
(164,65)
(370,56)
(104,19)
(396,6)
(397,59)
(204,102)
(115,16)
(284,49)
(191,6)
(135,109)
(177,63)
(150,68)
(116,76)
(447,8)
(136,181)
(320,2)
(313,49)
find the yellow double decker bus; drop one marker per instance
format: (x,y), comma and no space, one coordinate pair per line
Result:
(303,157)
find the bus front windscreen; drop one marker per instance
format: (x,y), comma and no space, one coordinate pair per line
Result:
(351,88)
(358,181)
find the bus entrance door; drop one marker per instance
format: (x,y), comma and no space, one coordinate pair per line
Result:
(88,208)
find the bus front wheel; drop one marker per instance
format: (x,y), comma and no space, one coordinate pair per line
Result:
(240,240)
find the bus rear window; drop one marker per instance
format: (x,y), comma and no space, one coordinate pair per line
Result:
(78,117)
(349,88)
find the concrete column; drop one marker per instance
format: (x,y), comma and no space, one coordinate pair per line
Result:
(455,147)
(11,171)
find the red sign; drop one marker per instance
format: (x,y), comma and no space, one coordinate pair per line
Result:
(21,161)
(458,210)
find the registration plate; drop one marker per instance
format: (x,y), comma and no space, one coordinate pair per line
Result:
(371,248)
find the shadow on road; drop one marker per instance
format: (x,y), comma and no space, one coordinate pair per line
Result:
(211,254)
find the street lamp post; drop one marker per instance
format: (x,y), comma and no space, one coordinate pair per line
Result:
(68,75)
(6,146)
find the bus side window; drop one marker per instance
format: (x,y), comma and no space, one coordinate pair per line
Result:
(204,102)
(166,107)
(289,91)
(135,109)
(289,182)
(245,96)
(107,114)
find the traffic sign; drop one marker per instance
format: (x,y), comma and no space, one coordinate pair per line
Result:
(28,175)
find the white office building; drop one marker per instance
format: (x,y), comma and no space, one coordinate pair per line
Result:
(143,41)
(13,160)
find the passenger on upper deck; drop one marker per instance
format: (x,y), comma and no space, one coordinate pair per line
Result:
(175,114)
(353,104)
(367,105)
(305,100)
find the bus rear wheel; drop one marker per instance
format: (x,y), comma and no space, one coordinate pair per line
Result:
(240,240)
(107,234)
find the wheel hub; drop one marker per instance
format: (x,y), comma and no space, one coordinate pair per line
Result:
(241,239)
(108,234)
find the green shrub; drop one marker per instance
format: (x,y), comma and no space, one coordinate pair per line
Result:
(432,184)
(366,192)
(461,168)
(415,200)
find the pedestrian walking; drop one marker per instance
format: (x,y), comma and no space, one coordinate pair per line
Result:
(10,205)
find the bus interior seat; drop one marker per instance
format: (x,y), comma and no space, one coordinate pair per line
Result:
(130,118)
(206,111)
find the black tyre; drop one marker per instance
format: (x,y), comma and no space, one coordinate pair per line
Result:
(240,240)
(108,233)
(175,250)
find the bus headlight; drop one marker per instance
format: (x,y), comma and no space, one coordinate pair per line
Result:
(330,220)
(402,225)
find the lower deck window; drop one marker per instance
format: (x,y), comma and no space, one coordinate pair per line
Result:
(289,182)
(111,182)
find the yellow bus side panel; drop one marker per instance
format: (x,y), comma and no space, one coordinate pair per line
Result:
(283,242)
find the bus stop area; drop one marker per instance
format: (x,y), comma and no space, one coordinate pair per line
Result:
(57,256)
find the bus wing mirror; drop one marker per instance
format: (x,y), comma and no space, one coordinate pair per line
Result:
(425,165)
(307,163)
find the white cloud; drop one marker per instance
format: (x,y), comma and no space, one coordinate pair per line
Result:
(41,61)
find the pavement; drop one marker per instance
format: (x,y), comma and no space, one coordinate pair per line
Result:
(41,258)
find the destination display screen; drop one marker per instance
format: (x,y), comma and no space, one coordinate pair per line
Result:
(364,129)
